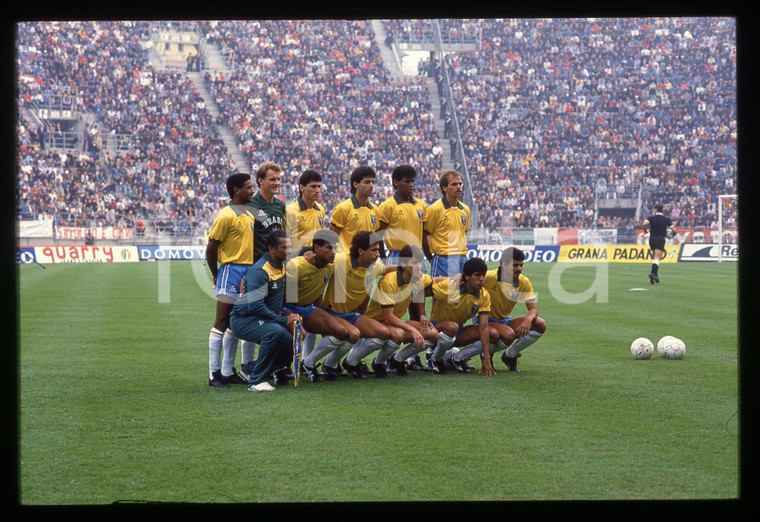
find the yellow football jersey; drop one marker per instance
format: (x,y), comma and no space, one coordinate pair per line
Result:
(405,221)
(504,295)
(447,227)
(233,228)
(450,304)
(349,284)
(351,217)
(301,222)
(305,283)
(392,291)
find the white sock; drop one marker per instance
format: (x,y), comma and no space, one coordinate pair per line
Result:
(469,352)
(230,345)
(408,352)
(214,350)
(444,343)
(386,350)
(247,351)
(333,360)
(498,346)
(523,342)
(308,344)
(362,349)
(326,345)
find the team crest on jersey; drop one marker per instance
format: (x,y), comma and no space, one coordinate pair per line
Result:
(464,220)
(368,280)
(515,296)
(321,221)
(325,278)
(274,285)
(420,214)
(373,219)
(474,309)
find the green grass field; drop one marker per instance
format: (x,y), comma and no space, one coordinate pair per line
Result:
(114,401)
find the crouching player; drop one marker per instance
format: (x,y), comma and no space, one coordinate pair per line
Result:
(395,292)
(257,315)
(507,286)
(454,304)
(305,283)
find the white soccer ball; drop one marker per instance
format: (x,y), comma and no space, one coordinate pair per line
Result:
(661,342)
(673,348)
(642,348)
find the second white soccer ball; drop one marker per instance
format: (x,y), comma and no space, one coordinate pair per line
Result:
(672,348)
(642,348)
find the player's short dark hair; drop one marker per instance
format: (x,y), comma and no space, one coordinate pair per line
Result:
(359,174)
(236,181)
(363,239)
(444,181)
(261,172)
(323,237)
(473,265)
(512,253)
(658,208)
(308,176)
(410,253)
(273,239)
(403,171)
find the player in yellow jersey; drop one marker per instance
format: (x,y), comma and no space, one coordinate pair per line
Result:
(507,286)
(305,216)
(402,216)
(357,212)
(395,293)
(305,283)
(445,230)
(230,243)
(347,297)
(456,303)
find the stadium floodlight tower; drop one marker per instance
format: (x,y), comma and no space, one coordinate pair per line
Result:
(720,222)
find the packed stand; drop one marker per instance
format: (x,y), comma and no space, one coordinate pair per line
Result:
(316,95)
(550,107)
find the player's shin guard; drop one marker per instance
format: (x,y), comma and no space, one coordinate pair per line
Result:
(523,342)
(325,346)
(362,349)
(333,360)
(444,343)
(469,352)
(230,345)
(214,350)
(309,343)
(388,349)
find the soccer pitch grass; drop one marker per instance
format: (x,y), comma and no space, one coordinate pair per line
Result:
(115,406)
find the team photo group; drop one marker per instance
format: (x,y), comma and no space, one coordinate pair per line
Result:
(390,281)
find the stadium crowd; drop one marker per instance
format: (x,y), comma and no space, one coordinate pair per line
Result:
(548,110)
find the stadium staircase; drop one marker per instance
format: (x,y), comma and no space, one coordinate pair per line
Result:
(392,62)
(215,63)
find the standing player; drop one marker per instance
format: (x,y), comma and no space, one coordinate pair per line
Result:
(659,227)
(402,216)
(507,286)
(395,293)
(305,283)
(230,242)
(257,315)
(347,296)
(448,220)
(303,218)
(357,212)
(455,304)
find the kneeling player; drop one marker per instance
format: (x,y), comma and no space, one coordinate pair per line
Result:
(507,286)
(389,303)
(455,304)
(306,281)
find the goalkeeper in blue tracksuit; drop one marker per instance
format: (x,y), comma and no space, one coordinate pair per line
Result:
(257,315)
